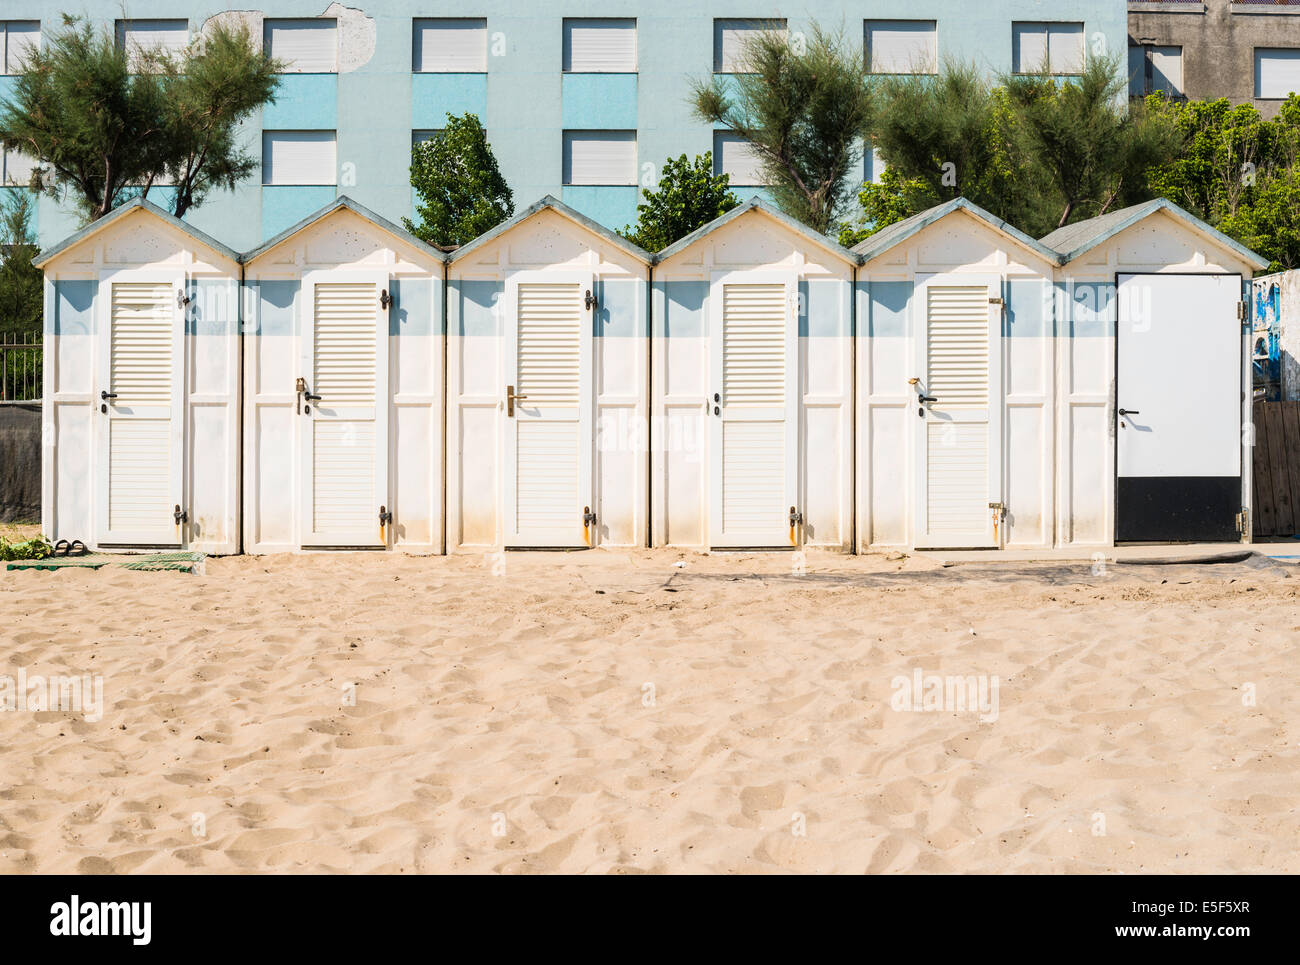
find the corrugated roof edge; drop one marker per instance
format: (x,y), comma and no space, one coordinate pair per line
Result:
(343,201)
(554,204)
(1106,226)
(895,234)
(757,204)
(120,212)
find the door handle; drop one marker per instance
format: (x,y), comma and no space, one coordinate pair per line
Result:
(103,400)
(310,397)
(926,398)
(1129,412)
(511,398)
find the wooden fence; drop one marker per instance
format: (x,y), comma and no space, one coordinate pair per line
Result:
(1276,468)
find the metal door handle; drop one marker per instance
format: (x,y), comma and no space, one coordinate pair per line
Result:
(107,395)
(926,398)
(511,398)
(310,397)
(1129,412)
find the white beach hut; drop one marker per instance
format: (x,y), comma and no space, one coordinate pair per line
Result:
(956,382)
(547,386)
(752,391)
(141,382)
(343,387)
(1155,413)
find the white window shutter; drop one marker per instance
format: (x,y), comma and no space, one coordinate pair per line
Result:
(1029,47)
(1277,72)
(139,36)
(902,47)
(1065,47)
(306,46)
(733,156)
(600,157)
(730,37)
(600,46)
(298,157)
(22,37)
(1167,70)
(449,46)
(1137,71)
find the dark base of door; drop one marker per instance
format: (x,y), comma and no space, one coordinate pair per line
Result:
(1177,509)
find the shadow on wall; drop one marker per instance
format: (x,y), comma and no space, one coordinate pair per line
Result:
(20,462)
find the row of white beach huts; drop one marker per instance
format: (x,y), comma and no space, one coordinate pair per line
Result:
(949,383)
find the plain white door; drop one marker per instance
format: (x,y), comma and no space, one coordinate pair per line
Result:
(343,412)
(547,463)
(140,422)
(1178,398)
(958,413)
(753,411)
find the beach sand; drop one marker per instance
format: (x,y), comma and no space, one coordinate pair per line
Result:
(653,712)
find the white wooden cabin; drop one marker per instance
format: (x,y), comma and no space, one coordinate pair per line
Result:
(547,386)
(343,387)
(752,392)
(141,379)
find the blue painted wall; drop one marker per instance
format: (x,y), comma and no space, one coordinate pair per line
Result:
(524,98)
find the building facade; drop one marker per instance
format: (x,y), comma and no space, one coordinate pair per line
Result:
(582,101)
(1245,50)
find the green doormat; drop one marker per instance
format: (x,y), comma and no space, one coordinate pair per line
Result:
(182,562)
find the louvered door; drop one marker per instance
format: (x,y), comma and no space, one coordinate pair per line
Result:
(344,434)
(139,403)
(958,415)
(548,412)
(753,410)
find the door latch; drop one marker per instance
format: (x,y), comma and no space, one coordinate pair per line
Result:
(589,300)
(385,516)
(385,299)
(588,518)
(796,517)
(511,398)
(180,515)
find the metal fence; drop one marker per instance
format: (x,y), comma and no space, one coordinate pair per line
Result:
(20,367)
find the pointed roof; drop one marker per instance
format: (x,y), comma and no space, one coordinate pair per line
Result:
(1077,239)
(124,211)
(559,207)
(758,204)
(340,203)
(900,231)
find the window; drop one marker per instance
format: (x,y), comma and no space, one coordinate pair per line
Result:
(600,46)
(17,168)
(1056,47)
(1154,69)
(1277,72)
(18,38)
(143,36)
(600,157)
(730,37)
(902,47)
(732,155)
(450,47)
(419,137)
(305,46)
(298,157)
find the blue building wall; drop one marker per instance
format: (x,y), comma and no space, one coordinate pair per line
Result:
(525,99)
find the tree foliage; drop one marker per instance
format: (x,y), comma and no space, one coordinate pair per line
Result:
(461,190)
(804,106)
(105,123)
(20,281)
(688,196)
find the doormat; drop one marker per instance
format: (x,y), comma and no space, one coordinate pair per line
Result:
(180,562)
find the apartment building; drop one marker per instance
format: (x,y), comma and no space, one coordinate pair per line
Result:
(1245,50)
(581,100)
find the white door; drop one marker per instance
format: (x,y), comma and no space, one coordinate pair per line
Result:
(343,412)
(1178,398)
(140,426)
(547,463)
(958,413)
(753,410)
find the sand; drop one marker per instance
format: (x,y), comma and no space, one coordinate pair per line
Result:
(653,712)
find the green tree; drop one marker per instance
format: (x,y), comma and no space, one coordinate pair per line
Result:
(21,305)
(894,198)
(689,195)
(105,123)
(1090,146)
(461,191)
(804,106)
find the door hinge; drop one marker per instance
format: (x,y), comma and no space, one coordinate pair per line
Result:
(588,518)
(995,300)
(385,516)
(180,515)
(796,517)
(1243,520)
(1243,311)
